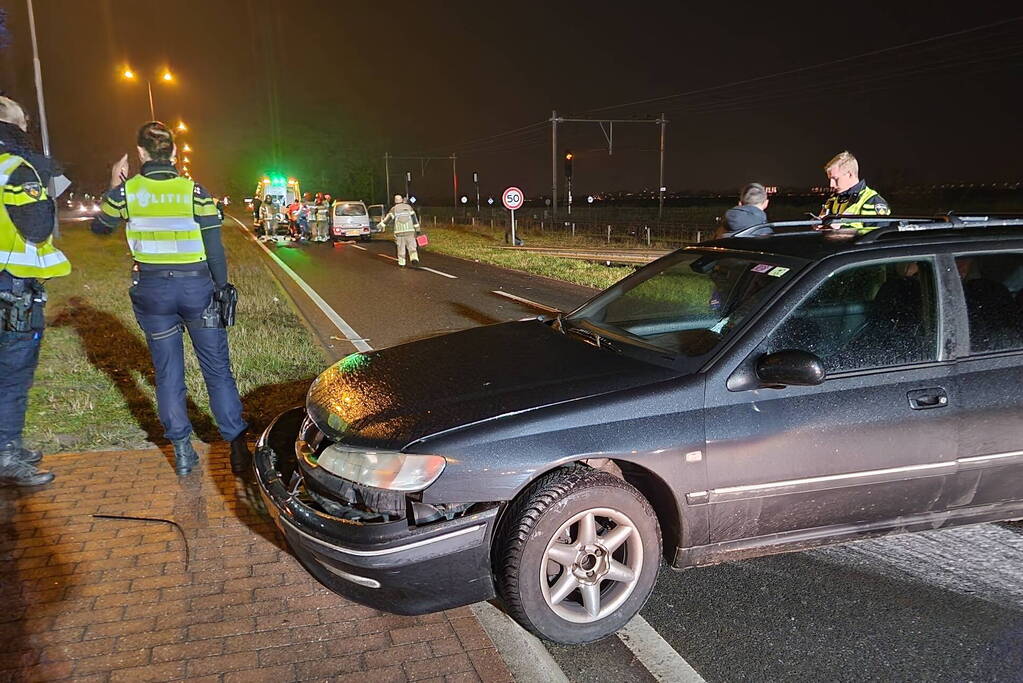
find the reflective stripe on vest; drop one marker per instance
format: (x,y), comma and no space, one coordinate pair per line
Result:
(161,222)
(18,256)
(835,206)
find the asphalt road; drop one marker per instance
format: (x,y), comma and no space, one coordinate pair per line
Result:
(938,606)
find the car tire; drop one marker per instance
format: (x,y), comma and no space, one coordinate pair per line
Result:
(598,589)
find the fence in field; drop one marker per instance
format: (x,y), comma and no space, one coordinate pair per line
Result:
(618,228)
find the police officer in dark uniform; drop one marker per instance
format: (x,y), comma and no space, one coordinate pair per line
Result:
(27,257)
(180,283)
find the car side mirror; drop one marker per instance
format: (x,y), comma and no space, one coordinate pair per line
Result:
(790,367)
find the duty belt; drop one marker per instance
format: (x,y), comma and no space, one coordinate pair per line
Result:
(173,273)
(22,306)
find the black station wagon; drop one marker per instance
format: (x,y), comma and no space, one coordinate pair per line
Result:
(746,396)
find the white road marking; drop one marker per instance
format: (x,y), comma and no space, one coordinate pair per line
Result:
(522,300)
(358,247)
(654,653)
(453,277)
(351,335)
(526,656)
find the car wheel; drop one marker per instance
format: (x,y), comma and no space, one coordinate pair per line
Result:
(577,555)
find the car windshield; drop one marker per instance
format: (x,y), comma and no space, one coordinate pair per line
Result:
(687,306)
(350,210)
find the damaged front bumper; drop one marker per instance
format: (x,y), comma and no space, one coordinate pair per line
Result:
(387,562)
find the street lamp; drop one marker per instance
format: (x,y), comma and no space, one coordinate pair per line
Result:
(167,77)
(181,127)
(186,148)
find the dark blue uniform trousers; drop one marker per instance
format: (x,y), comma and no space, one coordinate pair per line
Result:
(164,306)
(19,355)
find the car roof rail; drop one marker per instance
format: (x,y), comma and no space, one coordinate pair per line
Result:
(949,221)
(827,222)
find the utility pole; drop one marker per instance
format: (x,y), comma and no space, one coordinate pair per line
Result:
(454,179)
(609,136)
(660,182)
(554,165)
(44,130)
(387,179)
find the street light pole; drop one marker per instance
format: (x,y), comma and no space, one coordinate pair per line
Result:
(42,109)
(152,110)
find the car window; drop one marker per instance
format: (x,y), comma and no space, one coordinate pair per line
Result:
(350,210)
(866,316)
(993,289)
(689,305)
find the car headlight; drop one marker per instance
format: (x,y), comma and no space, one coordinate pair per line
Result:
(381,469)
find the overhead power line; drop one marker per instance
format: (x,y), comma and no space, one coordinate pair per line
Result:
(812,67)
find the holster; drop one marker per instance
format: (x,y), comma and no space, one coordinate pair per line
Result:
(23,308)
(221,311)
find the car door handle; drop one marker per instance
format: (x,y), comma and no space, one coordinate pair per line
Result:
(922,399)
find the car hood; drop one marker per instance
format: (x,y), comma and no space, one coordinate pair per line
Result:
(389,398)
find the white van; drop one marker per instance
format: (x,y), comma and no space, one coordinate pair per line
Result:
(349,219)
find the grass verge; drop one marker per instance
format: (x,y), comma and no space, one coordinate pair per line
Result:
(94,384)
(483,244)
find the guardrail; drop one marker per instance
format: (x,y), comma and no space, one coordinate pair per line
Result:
(634,233)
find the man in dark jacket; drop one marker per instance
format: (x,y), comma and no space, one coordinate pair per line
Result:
(753,202)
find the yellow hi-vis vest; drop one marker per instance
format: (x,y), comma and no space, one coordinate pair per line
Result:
(161,222)
(855,206)
(835,206)
(18,256)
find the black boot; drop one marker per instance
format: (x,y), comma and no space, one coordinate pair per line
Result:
(241,457)
(16,472)
(185,457)
(32,457)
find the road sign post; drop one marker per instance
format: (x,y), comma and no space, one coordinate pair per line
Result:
(512,198)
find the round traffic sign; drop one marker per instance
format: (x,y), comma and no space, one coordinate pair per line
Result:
(512,198)
(589,199)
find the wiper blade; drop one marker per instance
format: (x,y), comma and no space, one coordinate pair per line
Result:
(600,341)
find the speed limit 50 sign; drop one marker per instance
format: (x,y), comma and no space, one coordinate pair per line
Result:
(512,198)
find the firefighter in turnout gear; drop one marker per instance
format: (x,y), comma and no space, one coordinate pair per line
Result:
(406,223)
(27,257)
(179,283)
(850,195)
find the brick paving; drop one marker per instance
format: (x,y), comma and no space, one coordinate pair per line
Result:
(90,599)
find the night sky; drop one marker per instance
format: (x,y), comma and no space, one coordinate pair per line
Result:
(322,89)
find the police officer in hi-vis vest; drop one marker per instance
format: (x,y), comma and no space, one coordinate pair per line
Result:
(180,276)
(27,256)
(850,195)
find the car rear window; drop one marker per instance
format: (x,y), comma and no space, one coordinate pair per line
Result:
(350,210)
